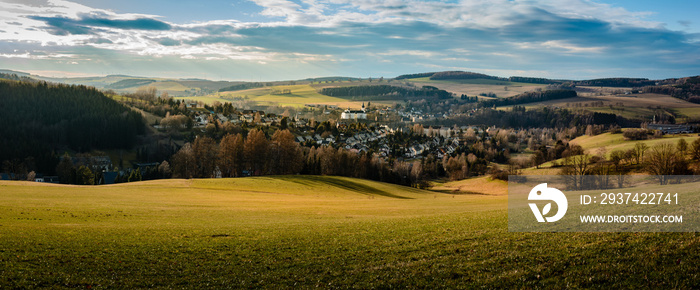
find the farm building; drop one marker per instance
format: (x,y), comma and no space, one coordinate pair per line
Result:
(670,128)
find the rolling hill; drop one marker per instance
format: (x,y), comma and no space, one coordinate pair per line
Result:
(621,96)
(304,231)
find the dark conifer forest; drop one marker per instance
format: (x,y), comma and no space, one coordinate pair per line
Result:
(385,92)
(39,121)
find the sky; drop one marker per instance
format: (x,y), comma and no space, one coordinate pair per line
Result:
(257,40)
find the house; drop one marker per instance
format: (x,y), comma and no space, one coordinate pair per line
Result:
(247,118)
(416,150)
(96,163)
(201,120)
(222,118)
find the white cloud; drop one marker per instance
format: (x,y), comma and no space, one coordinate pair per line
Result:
(356,32)
(37,55)
(421,53)
(571,48)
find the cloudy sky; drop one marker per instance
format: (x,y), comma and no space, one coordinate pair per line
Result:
(294,39)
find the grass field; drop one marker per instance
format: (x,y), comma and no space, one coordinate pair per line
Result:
(475,87)
(637,106)
(607,143)
(299,96)
(617,142)
(306,231)
(639,113)
(472,82)
(479,185)
(690,112)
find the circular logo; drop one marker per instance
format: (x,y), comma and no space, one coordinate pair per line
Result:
(542,192)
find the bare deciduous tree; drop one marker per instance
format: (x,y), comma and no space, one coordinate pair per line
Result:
(661,161)
(286,154)
(255,151)
(184,162)
(231,155)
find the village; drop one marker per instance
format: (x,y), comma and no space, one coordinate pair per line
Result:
(392,133)
(442,140)
(369,130)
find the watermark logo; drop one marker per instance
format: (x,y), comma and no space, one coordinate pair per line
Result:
(542,192)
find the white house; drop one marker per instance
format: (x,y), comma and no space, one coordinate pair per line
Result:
(354,115)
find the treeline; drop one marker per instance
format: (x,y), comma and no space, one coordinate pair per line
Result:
(256,154)
(530,97)
(39,119)
(616,82)
(414,76)
(544,117)
(462,75)
(667,162)
(238,155)
(14,77)
(468,99)
(240,87)
(385,92)
(531,80)
(130,83)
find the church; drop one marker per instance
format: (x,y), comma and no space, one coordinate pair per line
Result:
(354,114)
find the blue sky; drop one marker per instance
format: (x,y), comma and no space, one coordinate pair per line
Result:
(284,39)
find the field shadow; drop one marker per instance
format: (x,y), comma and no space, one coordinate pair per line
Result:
(458,192)
(340,183)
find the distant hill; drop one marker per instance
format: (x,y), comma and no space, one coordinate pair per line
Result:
(15,77)
(12,72)
(385,92)
(462,75)
(616,82)
(328,79)
(685,88)
(240,87)
(465,75)
(415,76)
(129,83)
(531,80)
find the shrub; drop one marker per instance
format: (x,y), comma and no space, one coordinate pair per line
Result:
(636,134)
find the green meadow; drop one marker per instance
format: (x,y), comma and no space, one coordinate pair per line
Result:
(471,82)
(609,142)
(309,231)
(629,112)
(606,143)
(299,96)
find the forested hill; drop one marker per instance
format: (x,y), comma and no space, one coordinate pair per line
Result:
(385,92)
(39,119)
(15,77)
(531,97)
